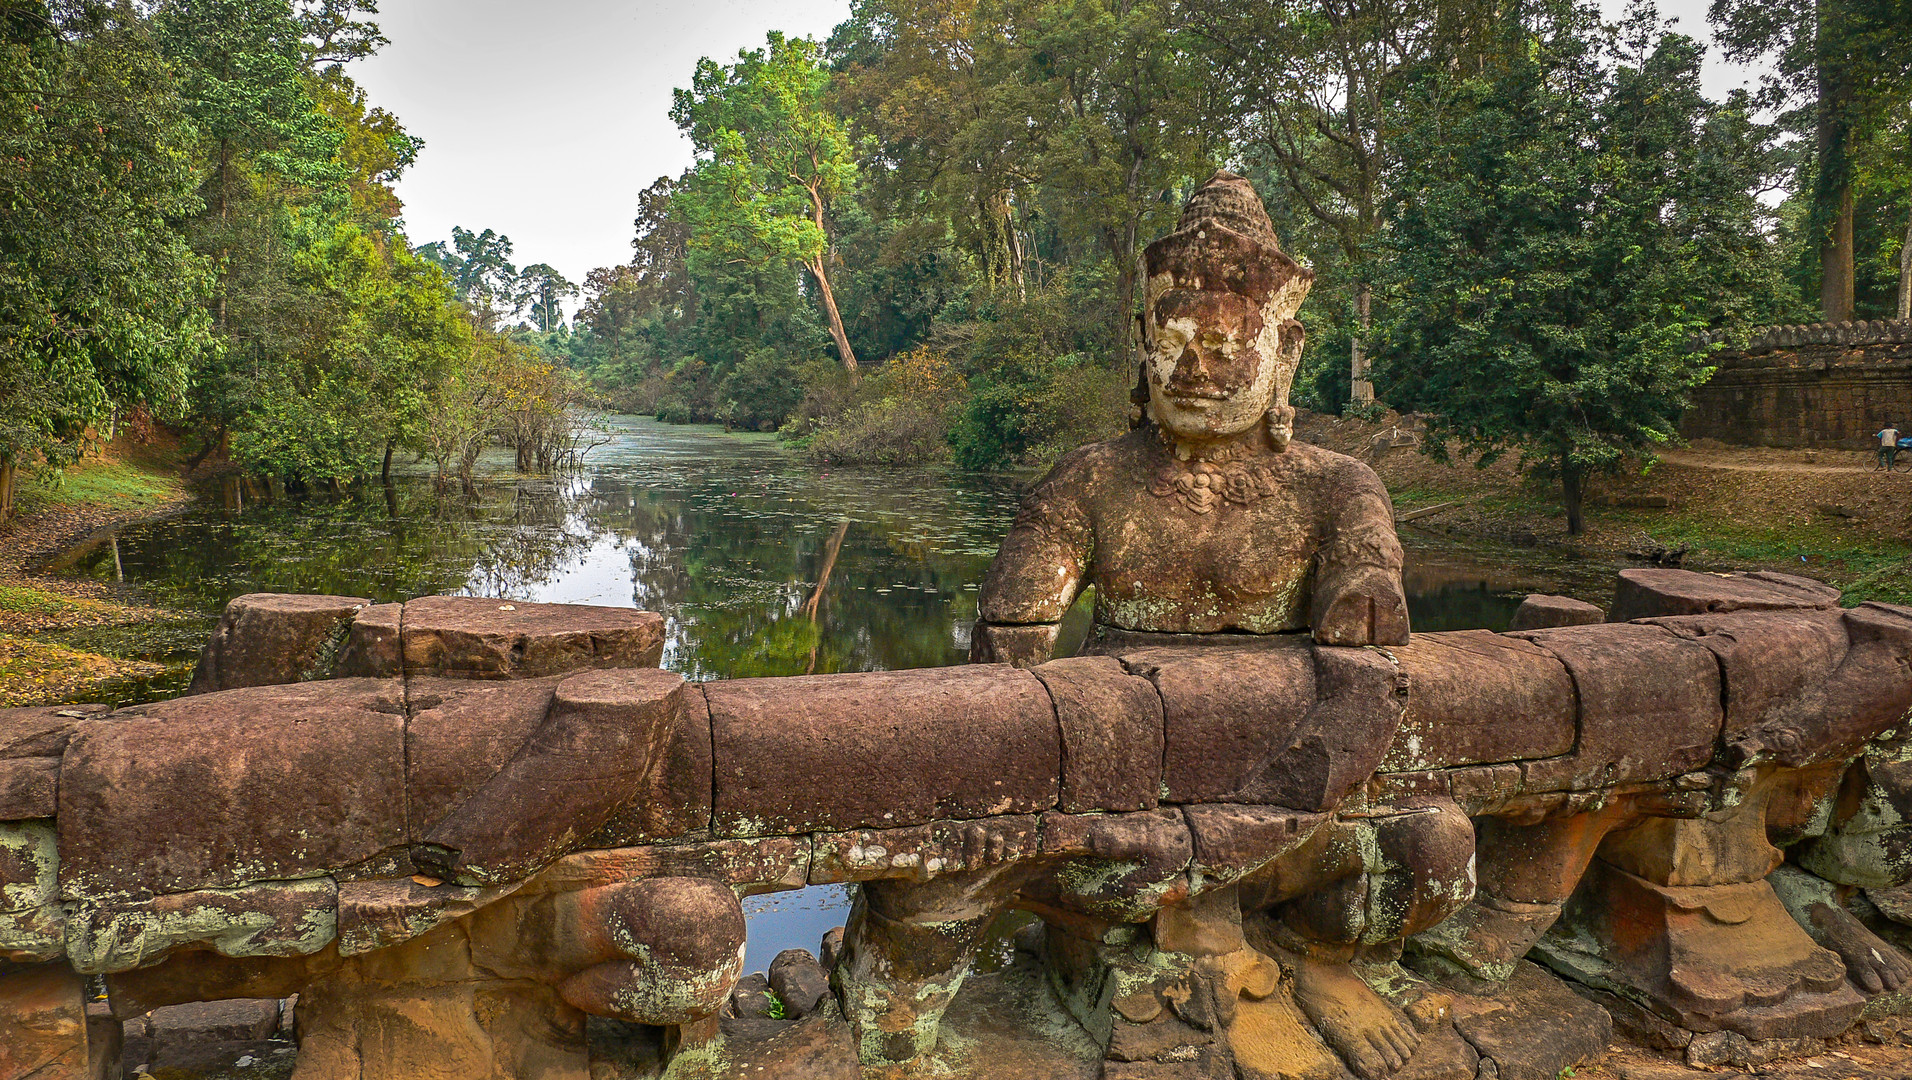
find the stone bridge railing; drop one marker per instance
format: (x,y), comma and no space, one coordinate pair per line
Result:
(1857,333)
(460,828)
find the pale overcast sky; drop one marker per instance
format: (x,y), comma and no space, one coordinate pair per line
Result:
(544,120)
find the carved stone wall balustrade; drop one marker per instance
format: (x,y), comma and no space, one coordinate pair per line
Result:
(460,829)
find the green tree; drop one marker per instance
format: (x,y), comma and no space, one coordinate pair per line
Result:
(1566,220)
(1841,68)
(773,161)
(547,291)
(99,291)
(481,272)
(1317,89)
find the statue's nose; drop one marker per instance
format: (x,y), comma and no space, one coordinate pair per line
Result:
(1191,367)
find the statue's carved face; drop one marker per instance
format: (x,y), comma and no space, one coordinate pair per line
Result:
(1214,366)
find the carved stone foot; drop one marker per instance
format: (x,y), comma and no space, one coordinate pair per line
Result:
(1485,939)
(1874,965)
(1373,1037)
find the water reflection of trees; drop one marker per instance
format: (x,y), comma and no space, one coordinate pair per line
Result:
(387,544)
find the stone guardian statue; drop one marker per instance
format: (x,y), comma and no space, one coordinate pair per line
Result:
(1206,518)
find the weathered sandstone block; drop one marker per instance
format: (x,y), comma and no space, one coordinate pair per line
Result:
(268,638)
(1111,734)
(882,749)
(604,732)
(1644,594)
(1538,612)
(222,790)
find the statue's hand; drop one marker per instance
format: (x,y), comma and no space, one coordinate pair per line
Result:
(1369,610)
(1022,646)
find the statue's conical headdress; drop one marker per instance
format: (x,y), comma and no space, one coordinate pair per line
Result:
(1226,242)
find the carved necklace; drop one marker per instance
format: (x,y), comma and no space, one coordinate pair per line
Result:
(1228,473)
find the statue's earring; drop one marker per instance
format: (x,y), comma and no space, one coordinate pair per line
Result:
(1280,421)
(1280,417)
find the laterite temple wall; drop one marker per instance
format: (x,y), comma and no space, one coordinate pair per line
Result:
(1827,385)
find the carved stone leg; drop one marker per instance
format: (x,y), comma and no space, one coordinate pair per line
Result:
(1678,912)
(1526,873)
(503,992)
(43,1025)
(906,950)
(1414,869)
(664,951)
(1856,838)
(424,1010)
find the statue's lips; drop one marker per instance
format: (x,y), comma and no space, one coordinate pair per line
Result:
(1197,399)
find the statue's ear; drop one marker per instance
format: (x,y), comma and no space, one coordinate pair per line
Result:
(1293,337)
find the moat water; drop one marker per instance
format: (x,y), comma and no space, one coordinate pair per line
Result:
(762,563)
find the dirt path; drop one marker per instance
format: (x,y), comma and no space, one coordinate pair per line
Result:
(1756,459)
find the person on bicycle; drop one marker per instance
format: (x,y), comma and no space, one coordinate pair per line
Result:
(1888,445)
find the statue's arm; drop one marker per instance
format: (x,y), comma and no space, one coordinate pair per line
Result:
(1358,598)
(1036,576)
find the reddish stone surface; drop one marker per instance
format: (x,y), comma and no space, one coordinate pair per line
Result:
(268,638)
(1228,710)
(43,1024)
(1770,660)
(1111,734)
(372,644)
(676,798)
(1645,594)
(1649,706)
(653,947)
(478,638)
(765,864)
(1477,697)
(461,733)
(1231,841)
(601,738)
(920,852)
(1538,612)
(219,790)
(881,749)
(1285,724)
(27,787)
(40,731)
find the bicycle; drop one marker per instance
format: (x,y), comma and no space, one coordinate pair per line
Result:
(1901,463)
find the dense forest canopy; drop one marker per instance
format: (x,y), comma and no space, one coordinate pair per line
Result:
(918,239)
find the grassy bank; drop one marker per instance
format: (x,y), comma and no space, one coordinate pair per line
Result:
(1817,514)
(65,640)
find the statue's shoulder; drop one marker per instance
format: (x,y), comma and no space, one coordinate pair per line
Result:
(1099,461)
(1329,467)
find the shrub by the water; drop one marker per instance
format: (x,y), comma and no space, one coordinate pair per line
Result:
(899,416)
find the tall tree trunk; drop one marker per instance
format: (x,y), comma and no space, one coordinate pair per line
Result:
(1905,271)
(225,238)
(1832,194)
(6,488)
(1836,261)
(385,471)
(820,268)
(830,308)
(1573,487)
(1360,388)
(823,580)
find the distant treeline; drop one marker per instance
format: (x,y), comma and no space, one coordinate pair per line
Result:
(197,227)
(1514,202)
(918,239)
